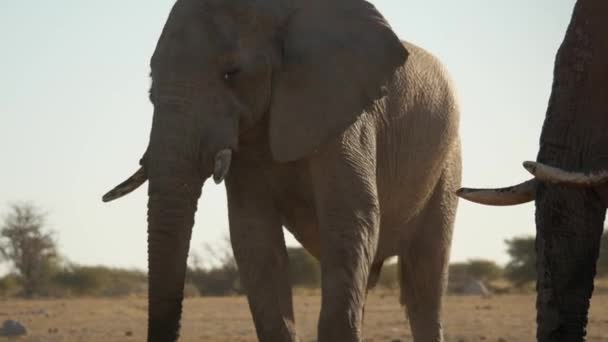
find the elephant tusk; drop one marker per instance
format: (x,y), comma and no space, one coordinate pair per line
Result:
(513,195)
(222,164)
(132,183)
(552,174)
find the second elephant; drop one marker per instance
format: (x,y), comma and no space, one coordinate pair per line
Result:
(320,120)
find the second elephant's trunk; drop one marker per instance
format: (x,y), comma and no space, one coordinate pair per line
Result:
(567,247)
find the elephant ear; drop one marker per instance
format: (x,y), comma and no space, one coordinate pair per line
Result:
(338,56)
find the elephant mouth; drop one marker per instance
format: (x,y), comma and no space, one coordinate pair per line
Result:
(222,162)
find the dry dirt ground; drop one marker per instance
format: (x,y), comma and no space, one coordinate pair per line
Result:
(506,318)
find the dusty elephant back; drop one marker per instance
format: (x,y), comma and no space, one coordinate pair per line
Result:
(417,135)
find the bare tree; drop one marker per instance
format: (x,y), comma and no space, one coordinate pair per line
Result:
(25,245)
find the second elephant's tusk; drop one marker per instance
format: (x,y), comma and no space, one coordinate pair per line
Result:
(222,165)
(552,174)
(513,195)
(132,183)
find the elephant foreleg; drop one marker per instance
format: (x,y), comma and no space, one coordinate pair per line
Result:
(259,249)
(348,214)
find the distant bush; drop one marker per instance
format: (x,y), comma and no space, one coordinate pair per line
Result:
(462,274)
(98,281)
(74,280)
(304,269)
(28,248)
(389,276)
(219,276)
(484,270)
(9,286)
(190,290)
(218,281)
(222,278)
(521,269)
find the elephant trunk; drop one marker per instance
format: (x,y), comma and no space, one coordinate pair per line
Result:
(570,218)
(567,248)
(187,145)
(170,221)
(172,164)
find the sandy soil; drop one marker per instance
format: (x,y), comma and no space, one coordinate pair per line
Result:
(500,318)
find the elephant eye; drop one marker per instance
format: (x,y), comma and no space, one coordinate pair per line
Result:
(231,73)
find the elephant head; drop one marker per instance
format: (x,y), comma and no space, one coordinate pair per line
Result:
(302,69)
(570,185)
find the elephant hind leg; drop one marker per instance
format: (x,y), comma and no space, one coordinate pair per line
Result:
(423,263)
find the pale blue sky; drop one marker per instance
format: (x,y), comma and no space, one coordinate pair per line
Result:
(74,114)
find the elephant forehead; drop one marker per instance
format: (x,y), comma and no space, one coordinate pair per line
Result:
(204,32)
(223,20)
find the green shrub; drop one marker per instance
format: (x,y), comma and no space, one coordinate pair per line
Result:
(521,269)
(304,269)
(484,270)
(98,281)
(9,286)
(220,281)
(389,277)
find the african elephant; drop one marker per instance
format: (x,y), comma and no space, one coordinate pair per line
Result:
(319,119)
(571,178)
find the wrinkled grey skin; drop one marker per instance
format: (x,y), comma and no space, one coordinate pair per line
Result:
(570,219)
(569,214)
(341,133)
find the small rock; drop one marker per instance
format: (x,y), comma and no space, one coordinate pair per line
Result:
(41,312)
(129,333)
(12,328)
(500,339)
